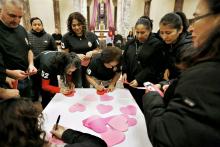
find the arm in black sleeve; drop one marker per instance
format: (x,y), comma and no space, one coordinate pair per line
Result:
(146,73)
(124,63)
(77,79)
(154,111)
(79,139)
(52,46)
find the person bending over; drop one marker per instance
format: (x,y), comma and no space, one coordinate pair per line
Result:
(104,69)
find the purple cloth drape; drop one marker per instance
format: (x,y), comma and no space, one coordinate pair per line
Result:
(110,20)
(94,14)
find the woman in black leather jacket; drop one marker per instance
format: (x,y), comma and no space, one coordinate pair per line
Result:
(189,114)
(143,59)
(173,31)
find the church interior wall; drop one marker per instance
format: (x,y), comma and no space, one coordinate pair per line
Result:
(44,10)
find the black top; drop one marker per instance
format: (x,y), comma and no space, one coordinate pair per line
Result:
(14,48)
(174,52)
(144,61)
(190,115)
(79,139)
(41,41)
(118,40)
(98,70)
(49,70)
(80,45)
(57,36)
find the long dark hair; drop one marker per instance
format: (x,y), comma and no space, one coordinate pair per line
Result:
(81,19)
(110,54)
(20,125)
(211,47)
(63,60)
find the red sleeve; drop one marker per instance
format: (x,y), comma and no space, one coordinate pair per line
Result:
(47,87)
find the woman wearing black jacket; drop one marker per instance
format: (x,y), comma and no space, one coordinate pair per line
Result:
(142,59)
(189,114)
(173,31)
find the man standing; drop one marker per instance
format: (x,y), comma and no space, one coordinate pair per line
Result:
(16,57)
(118,40)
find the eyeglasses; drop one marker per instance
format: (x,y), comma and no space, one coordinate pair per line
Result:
(193,20)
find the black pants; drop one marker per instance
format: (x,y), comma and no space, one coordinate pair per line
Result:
(85,83)
(46,98)
(36,86)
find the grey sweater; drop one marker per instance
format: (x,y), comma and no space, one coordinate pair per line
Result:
(41,41)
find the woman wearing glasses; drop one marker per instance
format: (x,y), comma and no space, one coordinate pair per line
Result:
(142,59)
(104,69)
(78,40)
(173,31)
(190,116)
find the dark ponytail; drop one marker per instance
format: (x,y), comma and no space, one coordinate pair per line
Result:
(146,21)
(185,21)
(175,20)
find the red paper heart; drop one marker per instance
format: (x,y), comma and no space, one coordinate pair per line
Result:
(101,92)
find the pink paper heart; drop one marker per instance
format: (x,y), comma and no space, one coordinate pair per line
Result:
(106,97)
(104,108)
(96,124)
(130,110)
(132,122)
(119,123)
(107,119)
(90,119)
(54,140)
(113,137)
(90,97)
(77,107)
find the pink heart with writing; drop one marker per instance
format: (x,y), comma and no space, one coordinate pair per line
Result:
(119,123)
(90,119)
(90,97)
(129,110)
(113,137)
(104,108)
(95,123)
(106,97)
(132,122)
(77,107)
